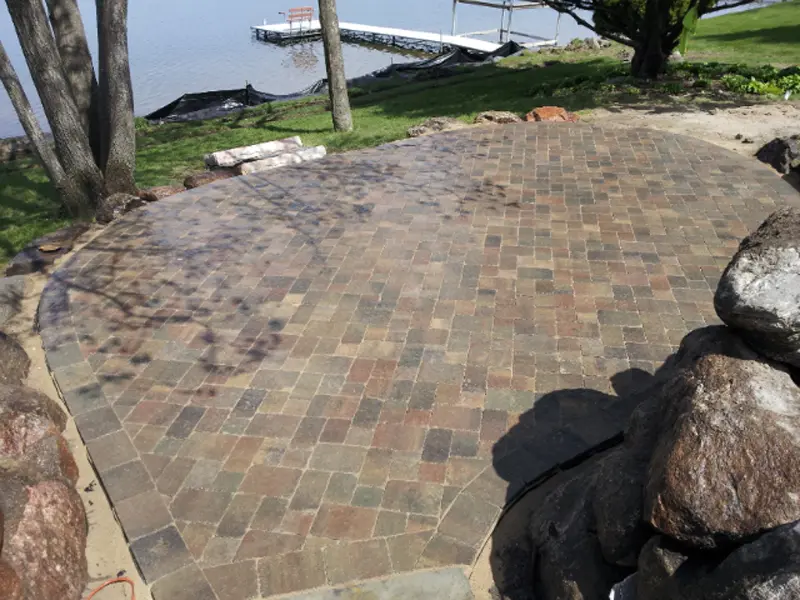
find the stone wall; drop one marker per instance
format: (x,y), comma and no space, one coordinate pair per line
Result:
(42,519)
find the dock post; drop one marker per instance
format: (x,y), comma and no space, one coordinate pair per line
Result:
(510,16)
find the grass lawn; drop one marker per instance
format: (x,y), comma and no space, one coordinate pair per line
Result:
(28,207)
(577,81)
(768,35)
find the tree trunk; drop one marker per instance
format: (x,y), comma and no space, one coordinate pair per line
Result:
(653,46)
(116,104)
(71,194)
(334,64)
(76,60)
(649,60)
(44,64)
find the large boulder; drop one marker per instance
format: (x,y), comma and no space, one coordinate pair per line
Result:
(568,561)
(18,399)
(759,292)
(617,505)
(14,362)
(44,539)
(618,500)
(114,206)
(30,440)
(765,569)
(782,154)
(725,464)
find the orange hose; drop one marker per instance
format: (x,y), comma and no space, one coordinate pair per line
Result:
(113,581)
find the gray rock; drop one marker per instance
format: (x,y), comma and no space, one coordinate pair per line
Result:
(12,290)
(497,117)
(435,125)
(782,154)
(114,206)
(58,243)
(568,562)
(658,565)
(617,505)
(759,292)
(21,399)
(30,443)
(725,464)
(14,362)
(765,569)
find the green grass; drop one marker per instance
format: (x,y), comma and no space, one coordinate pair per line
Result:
(578,81)
(168,152)
(28,208)
(768,35)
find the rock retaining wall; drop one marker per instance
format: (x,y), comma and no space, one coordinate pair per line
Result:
(42,519)
(702,500)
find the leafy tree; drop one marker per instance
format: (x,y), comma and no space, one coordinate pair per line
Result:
(651,27)
(91,119)
(334,64)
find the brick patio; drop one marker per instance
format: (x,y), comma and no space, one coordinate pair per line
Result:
(326,374)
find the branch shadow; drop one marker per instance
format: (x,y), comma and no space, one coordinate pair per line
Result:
(184,284)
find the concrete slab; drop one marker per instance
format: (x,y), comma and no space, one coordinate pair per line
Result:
(442,584)
(12,290)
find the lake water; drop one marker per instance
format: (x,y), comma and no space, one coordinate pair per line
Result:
(180,46)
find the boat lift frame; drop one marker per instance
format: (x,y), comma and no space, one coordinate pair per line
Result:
(507,9)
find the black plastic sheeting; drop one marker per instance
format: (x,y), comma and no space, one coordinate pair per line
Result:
(209,105)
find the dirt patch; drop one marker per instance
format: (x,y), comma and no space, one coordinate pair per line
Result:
(758,123)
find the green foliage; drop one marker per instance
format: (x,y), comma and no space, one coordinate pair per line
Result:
(623,16)
(765,82)
(790,83)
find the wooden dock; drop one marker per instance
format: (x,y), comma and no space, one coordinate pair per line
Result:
(390,36)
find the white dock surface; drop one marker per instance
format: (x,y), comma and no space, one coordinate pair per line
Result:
(313,27)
